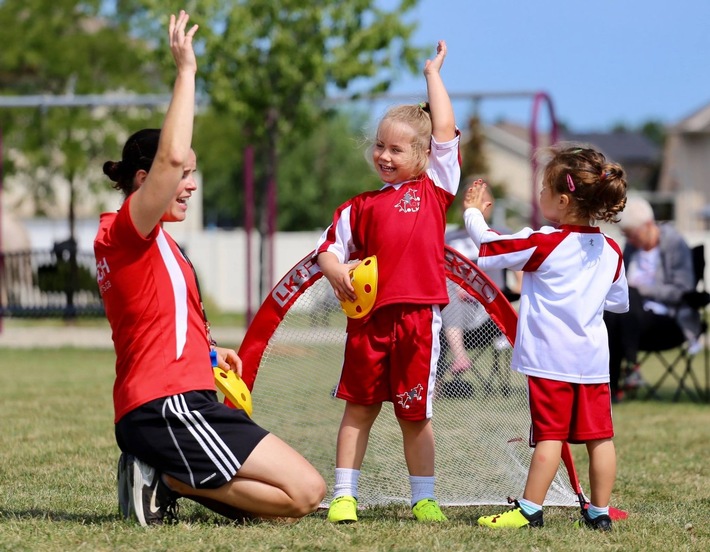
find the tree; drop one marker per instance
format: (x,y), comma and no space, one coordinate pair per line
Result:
(65,47)
(316,175)
(266,70)
(270,66)
(655,131)
(324,170)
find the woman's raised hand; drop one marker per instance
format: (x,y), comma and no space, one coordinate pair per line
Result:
(181,42)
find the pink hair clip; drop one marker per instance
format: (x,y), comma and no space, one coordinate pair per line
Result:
(570,183)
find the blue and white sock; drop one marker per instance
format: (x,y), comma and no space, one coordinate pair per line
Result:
(346,480)
(595,511)
(528,507)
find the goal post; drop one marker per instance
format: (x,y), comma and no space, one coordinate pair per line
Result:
(292,355)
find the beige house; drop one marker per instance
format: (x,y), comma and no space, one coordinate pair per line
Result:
(508,155)
(508,151)
(685,176)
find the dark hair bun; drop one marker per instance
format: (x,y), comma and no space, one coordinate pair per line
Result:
(112,169)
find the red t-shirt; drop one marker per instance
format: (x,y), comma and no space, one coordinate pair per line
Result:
(152,304)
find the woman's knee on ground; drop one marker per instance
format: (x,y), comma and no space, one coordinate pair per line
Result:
(308,494)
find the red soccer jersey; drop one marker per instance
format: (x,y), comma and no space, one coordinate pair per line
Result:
(403,225)
(152,303)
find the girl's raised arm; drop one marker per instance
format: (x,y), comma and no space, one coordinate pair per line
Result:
(442,112)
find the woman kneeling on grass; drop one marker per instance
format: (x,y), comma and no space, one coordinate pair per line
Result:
(177,439)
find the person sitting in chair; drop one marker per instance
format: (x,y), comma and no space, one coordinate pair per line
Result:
(659,269)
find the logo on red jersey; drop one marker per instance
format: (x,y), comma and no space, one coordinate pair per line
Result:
(102,272)
(409,202)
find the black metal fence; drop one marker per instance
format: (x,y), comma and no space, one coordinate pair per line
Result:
(55,283)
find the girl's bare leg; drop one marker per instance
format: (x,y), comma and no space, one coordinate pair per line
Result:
(602,470)
(418,439)
(354,434)
(543,467)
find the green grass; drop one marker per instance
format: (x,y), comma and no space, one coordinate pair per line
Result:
(58,458)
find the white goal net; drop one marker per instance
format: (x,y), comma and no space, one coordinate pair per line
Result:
(293,354)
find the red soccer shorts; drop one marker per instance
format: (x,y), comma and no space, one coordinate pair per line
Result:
(573,412)
(391,356)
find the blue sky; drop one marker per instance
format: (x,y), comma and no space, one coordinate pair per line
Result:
(602,61)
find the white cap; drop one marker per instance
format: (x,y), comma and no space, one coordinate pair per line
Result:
(637,212)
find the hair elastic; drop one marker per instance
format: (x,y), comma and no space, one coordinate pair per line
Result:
(570,183)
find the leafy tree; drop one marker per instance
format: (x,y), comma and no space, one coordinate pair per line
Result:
(316,175)
(324,170)
(64,47)
(654,131)
(474,164)
(266,69)
(60,46)
(270,65)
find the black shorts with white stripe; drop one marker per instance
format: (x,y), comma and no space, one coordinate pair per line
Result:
(191,436)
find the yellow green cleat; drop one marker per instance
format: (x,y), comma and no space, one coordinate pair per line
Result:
(515,519)
(428,509)
(343,510)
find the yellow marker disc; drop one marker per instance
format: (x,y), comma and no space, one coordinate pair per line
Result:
(234,388)
(364,280)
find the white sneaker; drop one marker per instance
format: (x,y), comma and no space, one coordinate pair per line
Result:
(150,500)
(634,380)
(694,347)
(501,343)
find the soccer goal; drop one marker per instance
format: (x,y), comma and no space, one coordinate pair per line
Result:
(292,355)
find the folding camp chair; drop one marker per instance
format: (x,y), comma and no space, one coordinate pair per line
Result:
(682,367)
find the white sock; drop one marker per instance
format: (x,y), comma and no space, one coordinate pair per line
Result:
(422,487)
(345,482)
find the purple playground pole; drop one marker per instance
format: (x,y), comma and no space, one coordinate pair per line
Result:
(249,224)
(2,251)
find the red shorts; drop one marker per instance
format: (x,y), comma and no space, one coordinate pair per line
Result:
(391,356)
(573,412)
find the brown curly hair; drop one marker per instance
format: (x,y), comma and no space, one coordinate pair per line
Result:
(596,185)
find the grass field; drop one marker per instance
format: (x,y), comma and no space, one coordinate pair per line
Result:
(57,481)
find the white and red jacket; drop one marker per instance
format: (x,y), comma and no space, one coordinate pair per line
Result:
(571,274)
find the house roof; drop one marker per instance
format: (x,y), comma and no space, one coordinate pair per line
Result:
(622,147)
(699,121)
(514,137)
(515,141)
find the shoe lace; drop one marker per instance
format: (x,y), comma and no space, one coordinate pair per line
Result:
(172,510)
(167,499)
